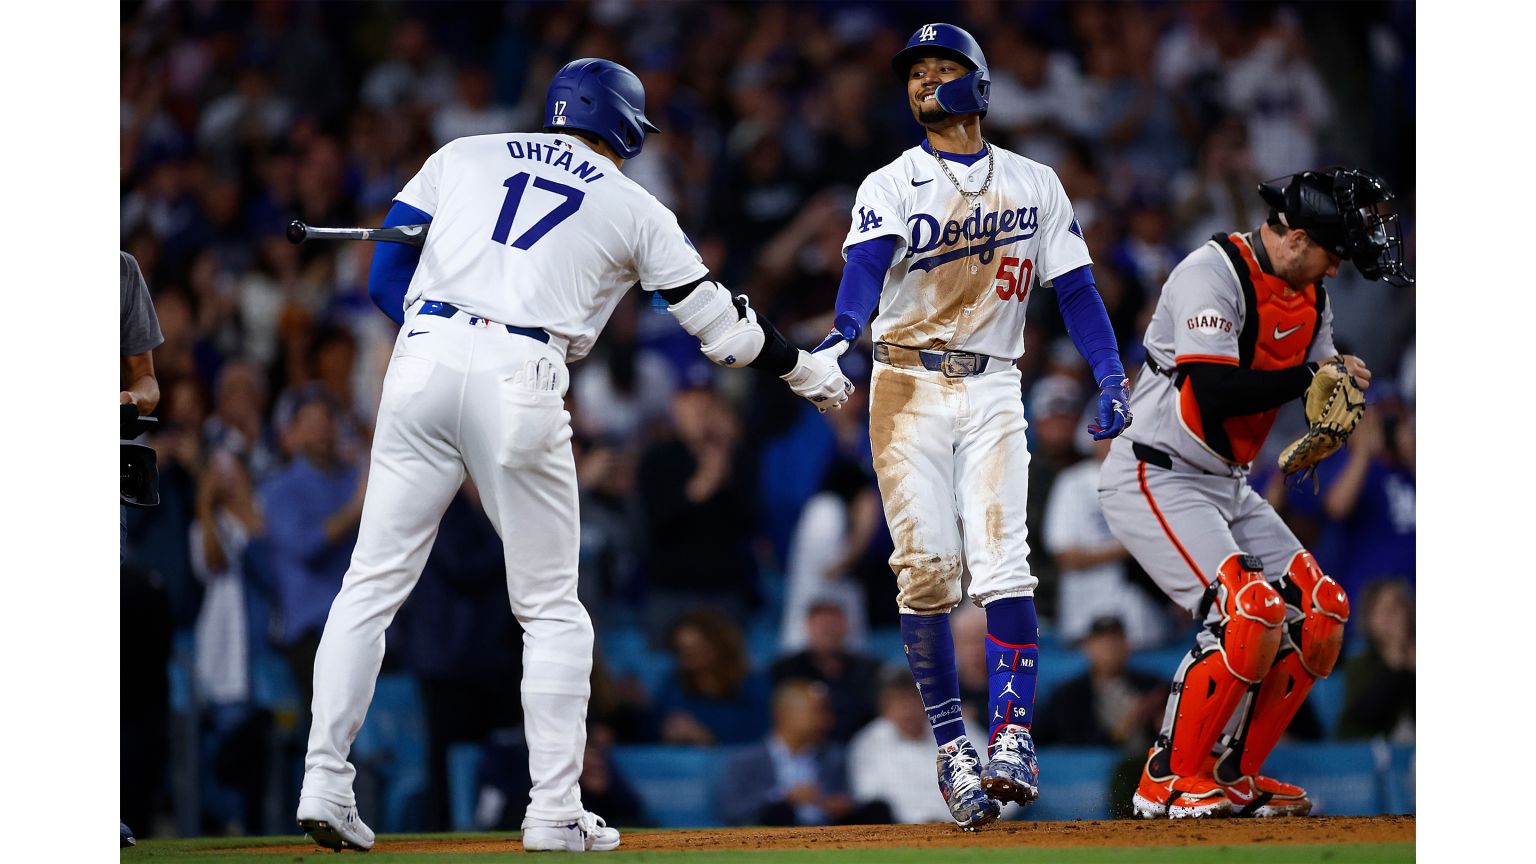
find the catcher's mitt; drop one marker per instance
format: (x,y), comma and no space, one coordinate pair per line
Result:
(1334,405)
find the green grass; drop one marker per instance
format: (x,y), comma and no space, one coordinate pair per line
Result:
(206,851)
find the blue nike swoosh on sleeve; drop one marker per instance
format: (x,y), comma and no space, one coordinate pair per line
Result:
(416,333)
(924,183)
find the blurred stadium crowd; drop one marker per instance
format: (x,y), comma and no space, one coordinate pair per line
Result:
(732,538)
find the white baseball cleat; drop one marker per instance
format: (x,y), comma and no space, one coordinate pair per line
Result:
(589,833)
(333,826)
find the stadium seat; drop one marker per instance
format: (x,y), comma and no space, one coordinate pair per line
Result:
(1327,699)
(884,644)
(463,794)
(1159,662)
(393,741)
(1398,784)
(675,784)
(1075,784)
(1342,779)
(1057,668)
(628,653)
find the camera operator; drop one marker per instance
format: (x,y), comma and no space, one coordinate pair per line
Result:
(142,708)
(141,335)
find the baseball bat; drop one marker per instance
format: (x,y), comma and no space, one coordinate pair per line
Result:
(410,235)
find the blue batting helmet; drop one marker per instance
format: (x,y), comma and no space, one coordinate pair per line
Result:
(966,95)
(603,98)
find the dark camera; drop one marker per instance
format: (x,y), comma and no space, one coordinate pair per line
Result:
(140,478)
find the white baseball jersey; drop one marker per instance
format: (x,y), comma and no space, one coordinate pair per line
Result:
(539,230)
(532,230)
(961,274)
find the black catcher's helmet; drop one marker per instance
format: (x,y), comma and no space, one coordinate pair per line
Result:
(1344,210)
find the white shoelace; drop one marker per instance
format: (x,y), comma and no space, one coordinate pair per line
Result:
(962,767)
(1008,747)
(590,822)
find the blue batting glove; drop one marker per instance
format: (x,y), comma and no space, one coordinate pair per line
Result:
(845,331)
(833,339)
(1114,409)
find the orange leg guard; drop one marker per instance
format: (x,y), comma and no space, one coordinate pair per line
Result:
(1313,642)
(1210,687)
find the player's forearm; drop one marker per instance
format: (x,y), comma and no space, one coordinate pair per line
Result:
(1088,322)
(144,393)
(1344,493)
(1083,557)
(394,264)
(859,291)
(343,522)
(777,356)
(1231,391)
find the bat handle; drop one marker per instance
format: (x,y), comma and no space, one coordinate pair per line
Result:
(298,232)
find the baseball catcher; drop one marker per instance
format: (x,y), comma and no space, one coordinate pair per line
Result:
(1243,326)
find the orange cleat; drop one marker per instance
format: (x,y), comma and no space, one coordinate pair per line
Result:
(1266,798)
(1175,797)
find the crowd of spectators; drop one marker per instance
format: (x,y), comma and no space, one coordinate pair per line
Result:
(714,508)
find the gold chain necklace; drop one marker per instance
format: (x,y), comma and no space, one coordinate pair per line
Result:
(972,199)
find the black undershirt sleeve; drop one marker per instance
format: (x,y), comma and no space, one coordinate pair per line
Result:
(778,357)
(1231,391)
(676,295)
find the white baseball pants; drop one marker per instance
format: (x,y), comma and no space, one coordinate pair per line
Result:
(465,398)
(953,468)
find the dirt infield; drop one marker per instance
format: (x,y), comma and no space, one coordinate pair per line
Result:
(1046,835)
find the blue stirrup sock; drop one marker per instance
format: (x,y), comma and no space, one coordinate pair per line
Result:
(930,653)
(1013,659)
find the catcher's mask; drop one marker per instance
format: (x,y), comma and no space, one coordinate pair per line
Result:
(1345,211)
(140,479)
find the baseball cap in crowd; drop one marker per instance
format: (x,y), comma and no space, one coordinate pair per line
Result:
(1102,625)
(1054,395)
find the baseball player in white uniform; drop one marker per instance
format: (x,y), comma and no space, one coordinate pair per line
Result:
(1240,327)
(949,239)
(533,240)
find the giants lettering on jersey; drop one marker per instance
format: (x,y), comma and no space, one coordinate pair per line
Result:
(1210,322)
(979,234)
(549,154)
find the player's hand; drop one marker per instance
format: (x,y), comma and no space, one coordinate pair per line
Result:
(817,377)
(1114,409)
(845,331)
(1357,368)
(834,340)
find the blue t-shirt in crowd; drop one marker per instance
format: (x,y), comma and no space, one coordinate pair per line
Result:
(307,569)
(741,720)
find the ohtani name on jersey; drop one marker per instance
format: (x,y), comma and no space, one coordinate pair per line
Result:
(979,234)
(551,154)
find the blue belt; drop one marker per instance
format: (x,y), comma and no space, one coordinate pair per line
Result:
(448,310)
(954,364)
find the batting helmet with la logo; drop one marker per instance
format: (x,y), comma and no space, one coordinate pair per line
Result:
(965,95)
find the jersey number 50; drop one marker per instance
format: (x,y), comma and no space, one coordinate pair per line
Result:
(516,185)
(1014,278)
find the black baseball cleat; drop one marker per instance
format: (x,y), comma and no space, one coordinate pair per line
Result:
(127,835)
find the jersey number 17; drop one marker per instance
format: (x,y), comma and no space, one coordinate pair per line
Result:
(516,185)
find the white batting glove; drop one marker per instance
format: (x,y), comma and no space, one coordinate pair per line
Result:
(818,378)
